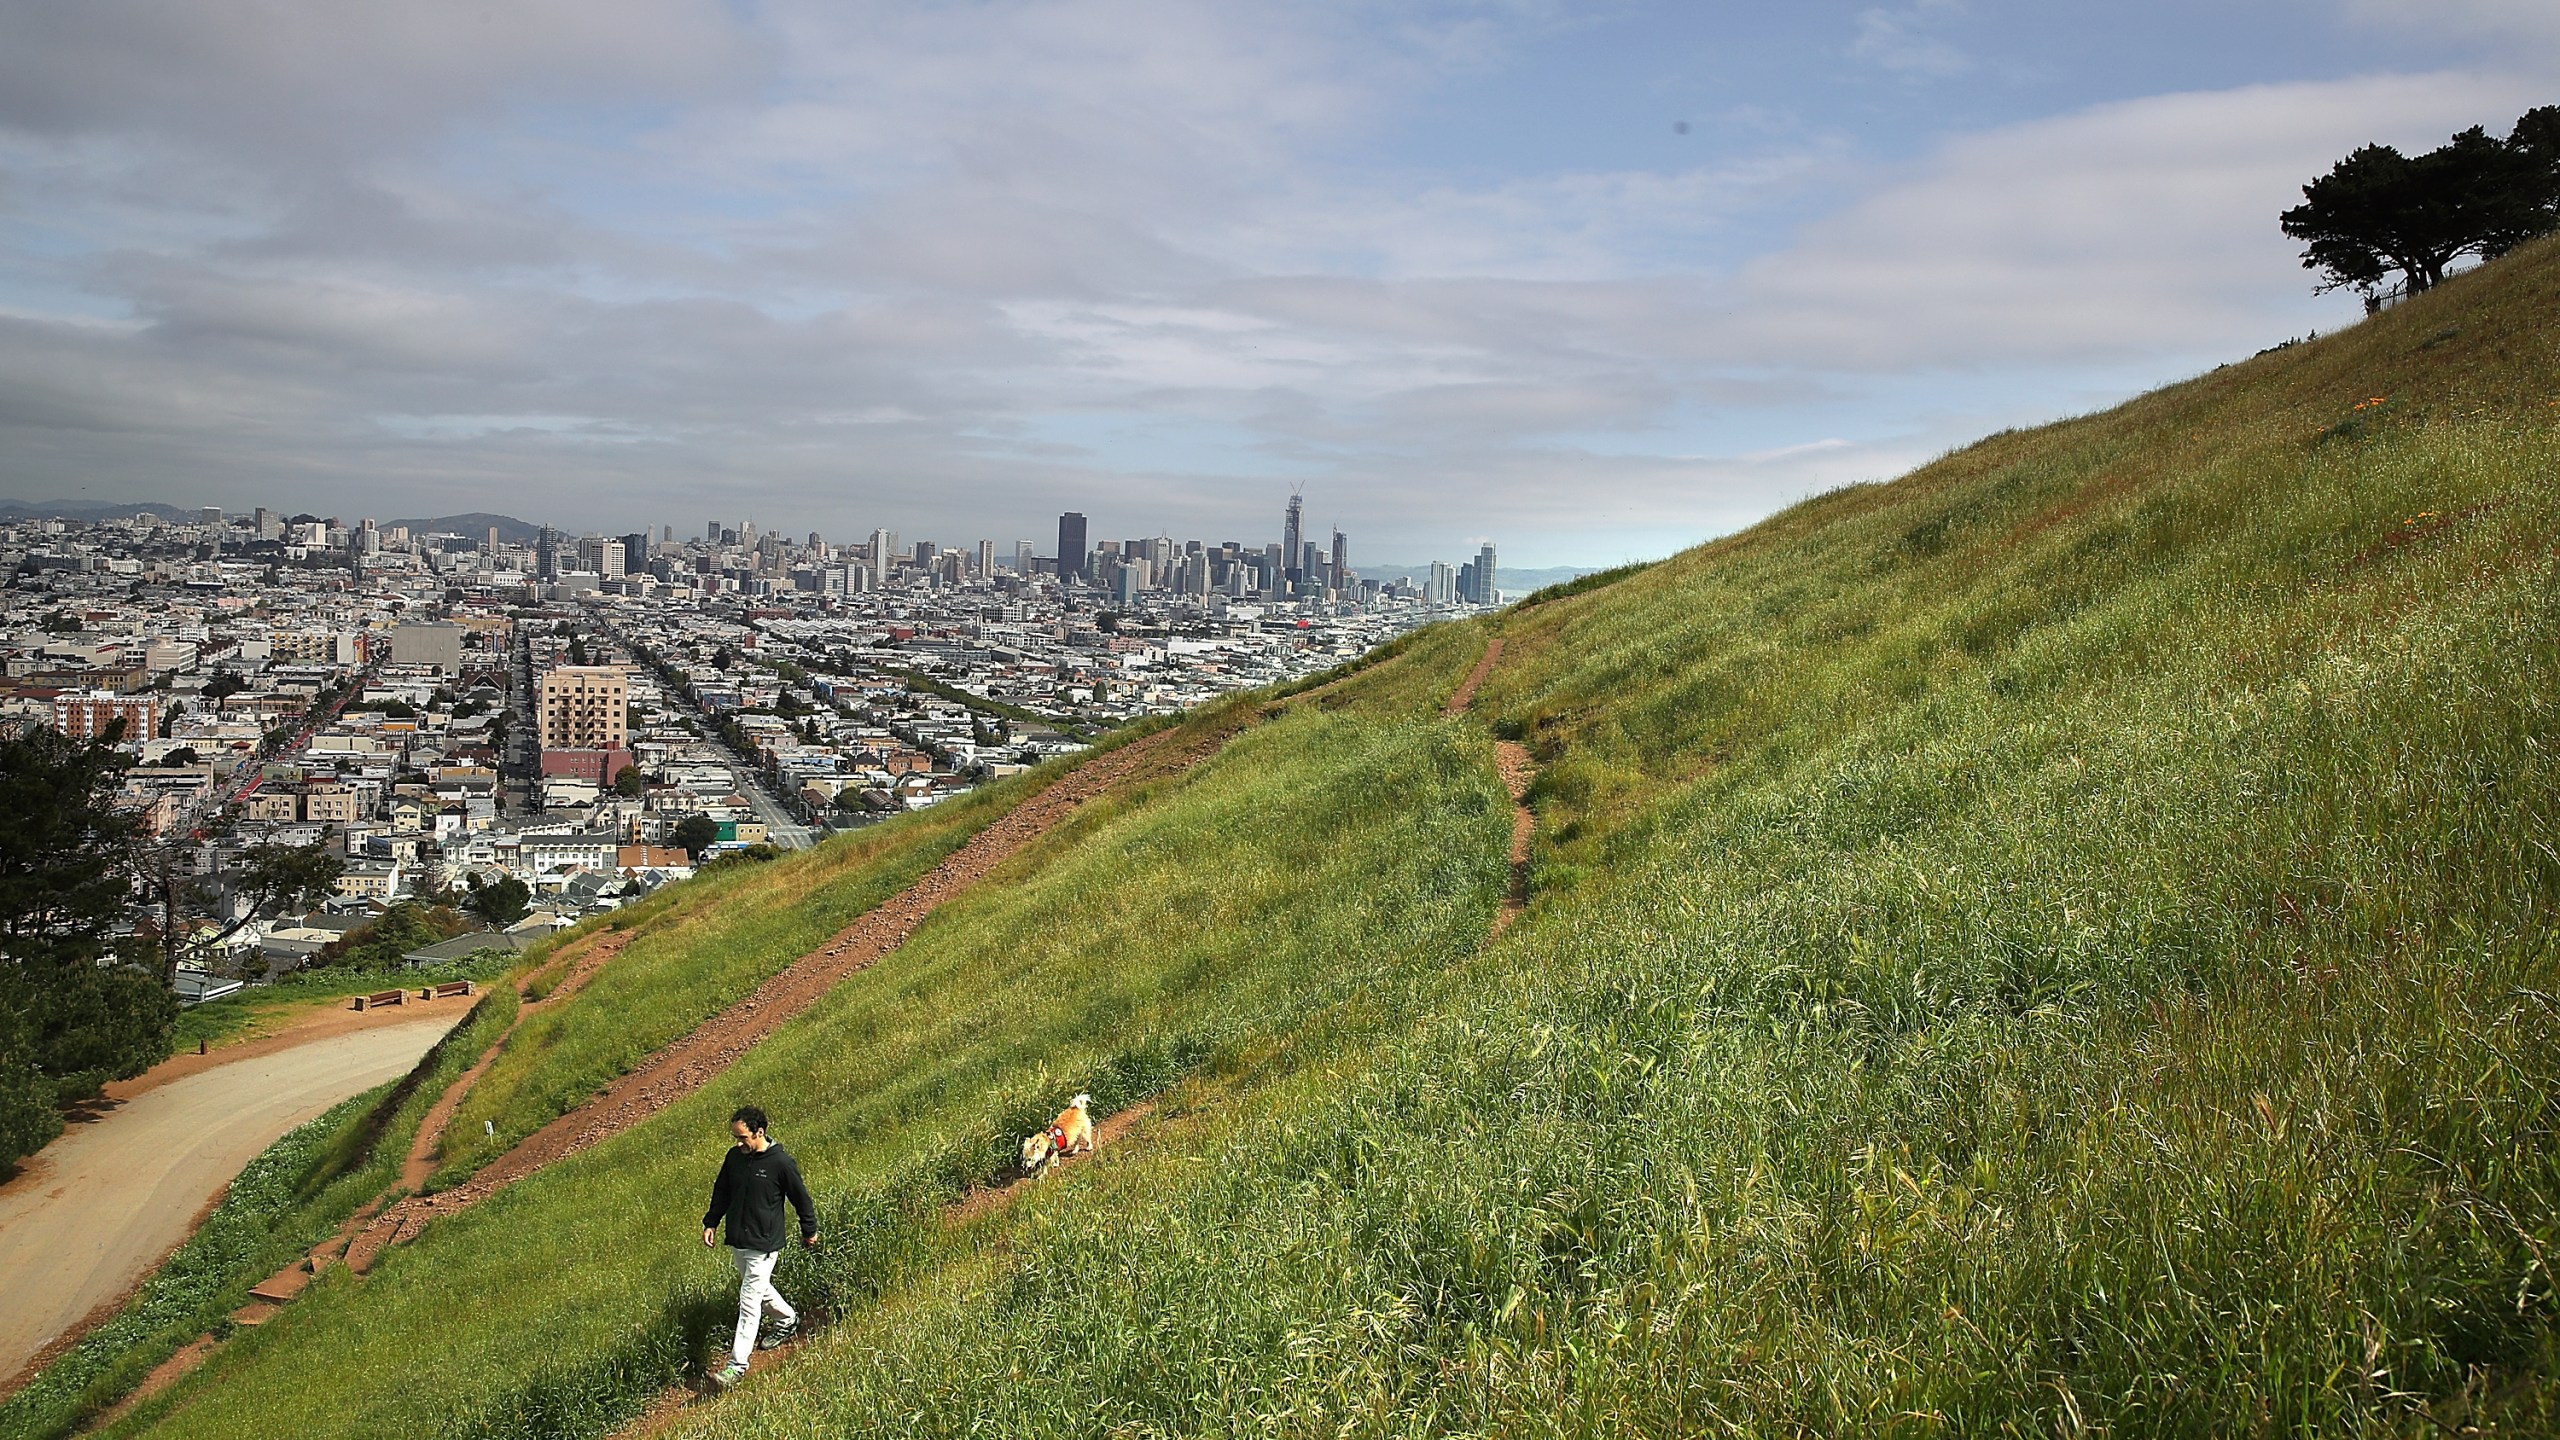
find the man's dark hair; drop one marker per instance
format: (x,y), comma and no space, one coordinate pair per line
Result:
(750,1114)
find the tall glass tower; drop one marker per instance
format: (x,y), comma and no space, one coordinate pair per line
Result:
(1071,554)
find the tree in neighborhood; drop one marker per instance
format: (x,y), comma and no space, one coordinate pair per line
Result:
(379,944)
(28,1116)
(2379,212)
(500,902)
(73,1015)
(432,890)
(696,833)
(630,783)
(273,880)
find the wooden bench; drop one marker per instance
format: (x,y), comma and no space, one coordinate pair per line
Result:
(445,991)
(380,998)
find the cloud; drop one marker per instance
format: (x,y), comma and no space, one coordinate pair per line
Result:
(2535,22)
(2145,226)
(276,78)
(954,267)
(1900,41)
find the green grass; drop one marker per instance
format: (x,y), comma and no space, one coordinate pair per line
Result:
(1131,949)
(262,1009)
(697,947)
(2058,943)
(282,1203)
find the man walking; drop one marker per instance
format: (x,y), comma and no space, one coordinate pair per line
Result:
(755,1178)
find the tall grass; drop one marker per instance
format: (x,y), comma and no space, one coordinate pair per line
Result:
(1141,945)
(2059,943)
(697,948)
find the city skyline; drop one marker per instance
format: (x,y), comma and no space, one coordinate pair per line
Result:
(634,541)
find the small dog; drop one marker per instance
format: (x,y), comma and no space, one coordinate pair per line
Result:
(1070,1134)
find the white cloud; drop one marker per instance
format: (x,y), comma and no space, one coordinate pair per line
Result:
(2147,226)
(2535,22)
(839,263)
(1901,40)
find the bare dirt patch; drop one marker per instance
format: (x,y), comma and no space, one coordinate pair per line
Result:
(1465,694)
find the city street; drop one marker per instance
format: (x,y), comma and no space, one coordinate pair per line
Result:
(780,826)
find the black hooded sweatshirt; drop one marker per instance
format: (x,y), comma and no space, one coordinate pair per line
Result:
(750,1192)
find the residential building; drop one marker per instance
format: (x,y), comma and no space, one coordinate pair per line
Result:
(88,715)
(435,645)
(585,707)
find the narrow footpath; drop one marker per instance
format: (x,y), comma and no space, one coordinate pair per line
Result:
(1518,772)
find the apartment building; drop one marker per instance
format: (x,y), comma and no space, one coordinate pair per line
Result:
(585,707)
(87,715)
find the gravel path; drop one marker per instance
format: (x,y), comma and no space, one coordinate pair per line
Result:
(96,1210)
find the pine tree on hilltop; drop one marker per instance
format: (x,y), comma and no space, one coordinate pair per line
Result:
(2379,212)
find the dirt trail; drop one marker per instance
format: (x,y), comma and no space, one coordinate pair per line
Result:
(1518,772)
(988,1198)
(583,965)
(1465,694)
(363,1236)
(280,1289)
(324,1020)
(693,1060)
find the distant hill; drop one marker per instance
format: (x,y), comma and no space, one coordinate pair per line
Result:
(510,529)
(477,523)
(1514,582)
(86,510)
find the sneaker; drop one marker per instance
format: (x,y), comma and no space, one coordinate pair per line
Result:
(730,1374)
(780,1332)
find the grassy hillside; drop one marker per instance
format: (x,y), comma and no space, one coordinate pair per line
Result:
(2060,942)
(696,949)
(1135,948)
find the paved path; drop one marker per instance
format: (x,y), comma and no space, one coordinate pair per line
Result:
(94,1211)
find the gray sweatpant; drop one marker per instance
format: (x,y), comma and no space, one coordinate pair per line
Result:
(755,1293)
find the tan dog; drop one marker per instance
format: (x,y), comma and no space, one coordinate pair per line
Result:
(1070,1134)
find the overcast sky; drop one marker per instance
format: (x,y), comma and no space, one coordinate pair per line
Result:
(1593,281)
